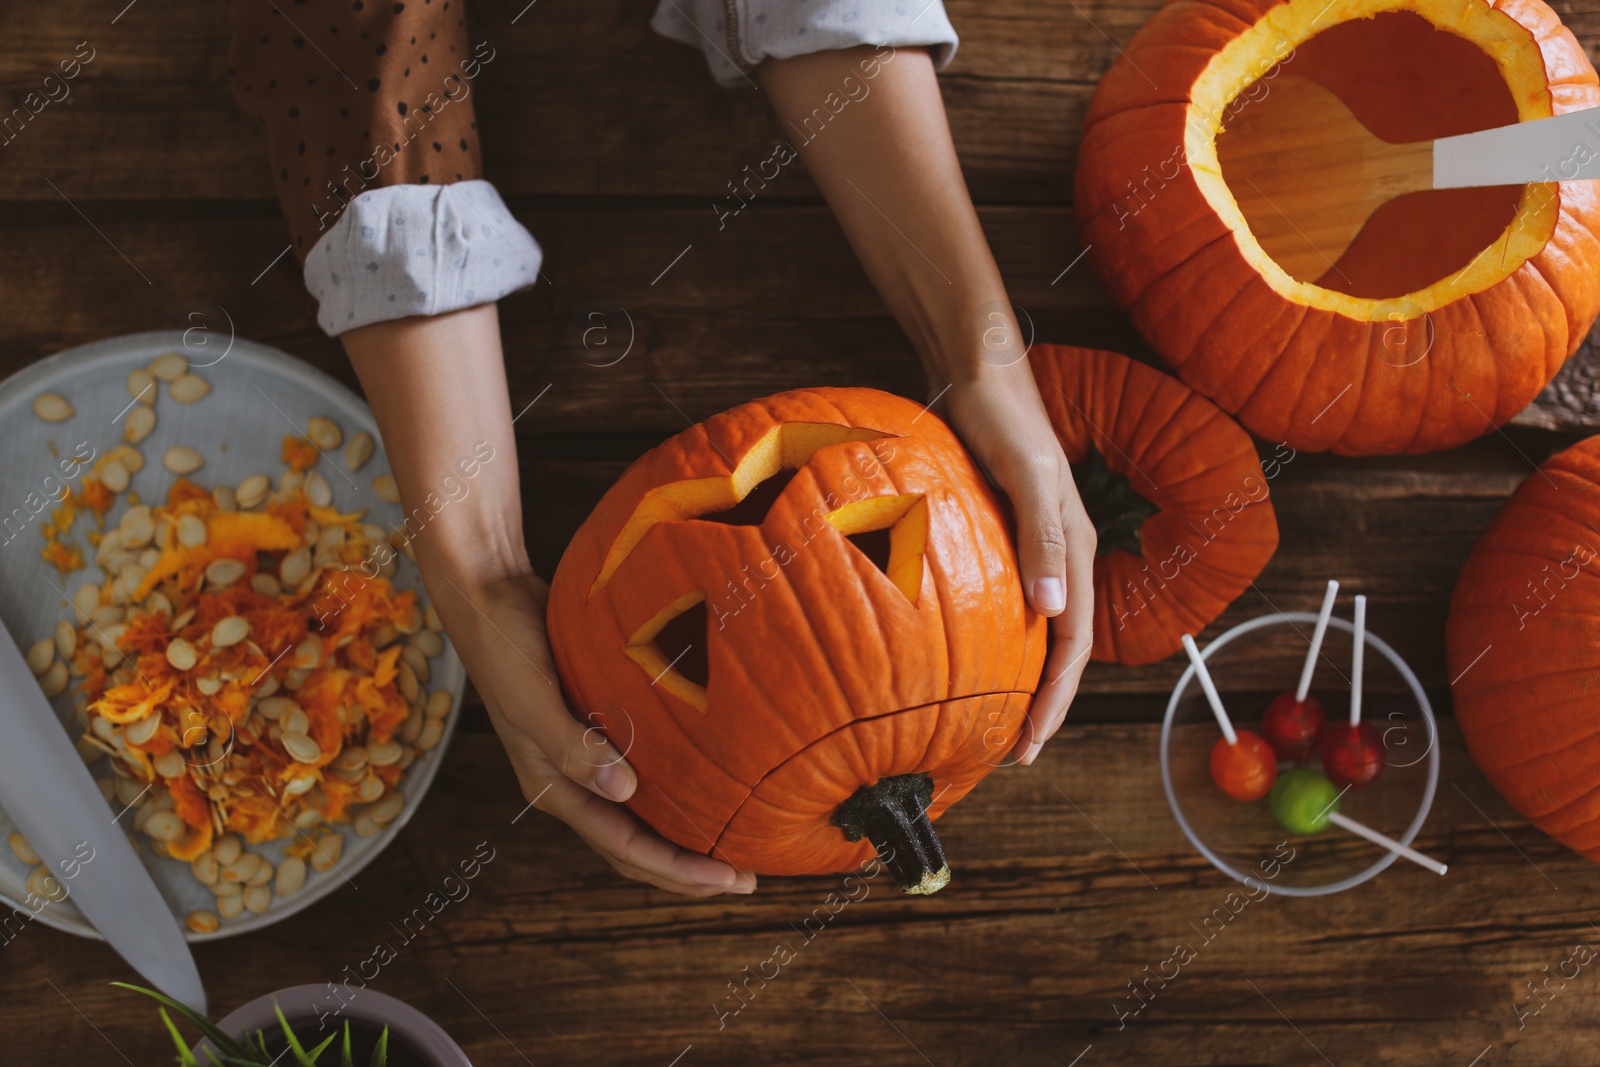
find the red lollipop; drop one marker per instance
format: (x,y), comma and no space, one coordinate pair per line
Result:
(1293,721)
(1242,764)
(1352,753)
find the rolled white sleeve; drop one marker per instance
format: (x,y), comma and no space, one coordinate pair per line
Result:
(418,250)
(736,35)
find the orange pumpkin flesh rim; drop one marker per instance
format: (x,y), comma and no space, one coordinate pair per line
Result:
(1424,251)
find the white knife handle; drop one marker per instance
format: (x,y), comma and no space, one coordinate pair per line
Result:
(1560,148)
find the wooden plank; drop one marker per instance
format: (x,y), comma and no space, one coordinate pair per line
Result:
(551,957)
(774,301)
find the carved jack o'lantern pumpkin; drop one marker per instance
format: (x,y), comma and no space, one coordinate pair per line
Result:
(803,622)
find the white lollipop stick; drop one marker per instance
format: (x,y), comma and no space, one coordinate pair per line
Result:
(1304,687)
(1358,658)
(1386,842)
(1210,689)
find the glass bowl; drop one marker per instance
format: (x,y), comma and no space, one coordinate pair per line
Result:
(1244,840)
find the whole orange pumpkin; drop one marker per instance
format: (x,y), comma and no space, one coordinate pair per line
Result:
(1452,308)
(1178,498)
(802,621)
(1524,649)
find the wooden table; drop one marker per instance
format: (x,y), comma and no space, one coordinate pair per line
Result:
(143,202)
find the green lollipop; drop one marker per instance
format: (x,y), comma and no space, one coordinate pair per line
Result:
(1304,801)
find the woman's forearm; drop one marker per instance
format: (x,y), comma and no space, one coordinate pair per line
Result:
(888,168)
(437,387)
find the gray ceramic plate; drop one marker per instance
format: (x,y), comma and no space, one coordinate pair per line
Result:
(258,395)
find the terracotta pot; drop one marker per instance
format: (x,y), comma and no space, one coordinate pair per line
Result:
(302,1003)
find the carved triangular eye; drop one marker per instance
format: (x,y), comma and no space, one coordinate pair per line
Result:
(892,532)
(783,449)
(672,648)
(752,510)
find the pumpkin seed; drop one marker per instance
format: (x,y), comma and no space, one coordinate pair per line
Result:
(308,819)
(24,851)
(127,789)
(275,707)
(52,407)
(143,731)
(107,787)
(202,921)
(137,527)
(387,490)
(181,459)
(54,681)
(301,748)
(418,663)
(225,571)
(269,685)
(252,491)
(308,653)
(265,584)
(168,366)
(242,869)
(262,875)
(142,385)
(227,849)
(383,753)
(66,639)
(291,875)
(129,457)
(191,531)
(358,451)
(230,905)
(386,809)
(432,731)
(408,681)
(411,729)
(365,826)
(169,764)
(294,679)
(294,569)
(88,751)
(324,433)
(164,826)
(181,654)
(205,868)
(370,789)
(438,704)
(182,619)
(317,490)
(114,476)
(295,721)
(139,424)
(86,599)
(187,388)
(229,631)
(353,758)
(227,889)
(329,848)
(41,654)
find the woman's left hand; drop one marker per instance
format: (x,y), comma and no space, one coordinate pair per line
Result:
(1001,419)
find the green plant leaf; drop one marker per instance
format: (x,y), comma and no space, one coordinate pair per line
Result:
(380,1051)
(213,1032)
(185,1057)
(346,1058)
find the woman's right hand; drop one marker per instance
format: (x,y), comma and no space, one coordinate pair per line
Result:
(437,387)
(568,769)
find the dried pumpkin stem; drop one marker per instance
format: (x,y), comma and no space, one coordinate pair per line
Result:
(1117,510)
(893,815)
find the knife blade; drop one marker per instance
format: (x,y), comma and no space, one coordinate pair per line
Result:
(51,796)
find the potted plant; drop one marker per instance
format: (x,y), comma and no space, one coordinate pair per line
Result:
(377,1031)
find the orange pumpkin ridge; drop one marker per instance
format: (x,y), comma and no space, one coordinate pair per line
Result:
(859,629)
(1523,639)
(1451,309)
(1179,499)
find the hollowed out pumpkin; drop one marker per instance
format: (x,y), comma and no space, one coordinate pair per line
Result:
(802,621)
(1524,649)
(1451,310)
(1175,490)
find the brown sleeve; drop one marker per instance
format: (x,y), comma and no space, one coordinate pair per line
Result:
(356,95)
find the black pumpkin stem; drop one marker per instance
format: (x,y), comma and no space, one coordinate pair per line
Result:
(893,815)
(1114,506)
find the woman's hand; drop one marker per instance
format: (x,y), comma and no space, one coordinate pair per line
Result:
(886,163)
(437,387)
(565,768)
(1001,419)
